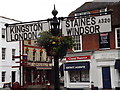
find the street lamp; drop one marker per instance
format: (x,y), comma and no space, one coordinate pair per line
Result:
(55,31)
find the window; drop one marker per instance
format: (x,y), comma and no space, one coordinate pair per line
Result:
(102,11)
(3,53)
(117,35)
(29,41)
(40,56)
(79,76)
(34,53)
(3,32)
(3,76)
(78,43)
(13,53)
(85,14)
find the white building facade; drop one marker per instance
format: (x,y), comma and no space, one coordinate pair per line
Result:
(9,69)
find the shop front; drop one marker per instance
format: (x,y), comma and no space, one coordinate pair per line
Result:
(37,73)
(77,72)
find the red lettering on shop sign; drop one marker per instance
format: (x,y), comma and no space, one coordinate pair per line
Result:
(78,58)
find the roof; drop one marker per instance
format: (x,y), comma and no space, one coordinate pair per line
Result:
(88,6)
(9,18)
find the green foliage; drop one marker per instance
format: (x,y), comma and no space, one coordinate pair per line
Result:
(54,44)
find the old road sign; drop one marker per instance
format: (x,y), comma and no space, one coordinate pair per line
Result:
(86,25)
(25,31)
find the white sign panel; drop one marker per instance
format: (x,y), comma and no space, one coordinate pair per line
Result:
(26,31)
(86,25)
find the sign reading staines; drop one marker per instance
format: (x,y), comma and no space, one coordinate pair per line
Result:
(86,25)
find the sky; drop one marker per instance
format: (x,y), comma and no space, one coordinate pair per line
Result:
(33,10)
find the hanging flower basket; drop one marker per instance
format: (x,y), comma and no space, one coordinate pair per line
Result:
(55,45)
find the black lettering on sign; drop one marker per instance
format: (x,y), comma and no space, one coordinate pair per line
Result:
(83,30)
(24,36)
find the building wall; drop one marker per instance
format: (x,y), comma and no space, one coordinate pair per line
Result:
(6,65)
(100,58)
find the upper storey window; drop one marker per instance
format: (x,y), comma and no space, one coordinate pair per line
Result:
(78,43)
(117,35)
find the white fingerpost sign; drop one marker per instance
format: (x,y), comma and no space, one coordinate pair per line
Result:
(25,31)
(86,25)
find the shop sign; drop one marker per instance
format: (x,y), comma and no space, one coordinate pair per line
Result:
(77,66)
(78,58)
(26,31)
(36,64)
(86,25)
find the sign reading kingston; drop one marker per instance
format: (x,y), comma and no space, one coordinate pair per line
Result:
(26,31)
(86,25)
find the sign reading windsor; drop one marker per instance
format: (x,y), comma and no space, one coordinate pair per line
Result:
(26,31)
(86,25)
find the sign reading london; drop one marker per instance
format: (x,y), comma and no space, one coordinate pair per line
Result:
(86,25)
(26,31)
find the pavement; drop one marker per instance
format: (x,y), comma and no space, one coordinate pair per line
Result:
(36,87)
(41,87)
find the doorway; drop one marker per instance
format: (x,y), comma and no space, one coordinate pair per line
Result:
(106,77)
(13,76)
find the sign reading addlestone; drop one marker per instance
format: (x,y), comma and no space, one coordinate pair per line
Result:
(86,25)
(26,31)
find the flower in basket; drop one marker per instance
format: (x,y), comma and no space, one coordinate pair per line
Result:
(54,45)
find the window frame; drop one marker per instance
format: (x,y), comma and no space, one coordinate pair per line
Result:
(4,54)
(103,10)
(34,55)
(78,42)
(41,56)
(3,77)
(13,53)
(3,32)
(79,76)
(116,38)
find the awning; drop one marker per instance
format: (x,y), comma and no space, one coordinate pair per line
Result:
(117,64)
(77,66)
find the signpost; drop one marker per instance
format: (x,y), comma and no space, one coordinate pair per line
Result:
(86,25)
(77,26)
(25,31)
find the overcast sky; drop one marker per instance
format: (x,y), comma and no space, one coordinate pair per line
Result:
(32,10)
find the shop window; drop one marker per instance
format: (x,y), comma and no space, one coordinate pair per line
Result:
(79,76)
(13,53)
(117,35)
(3,76)
(78,43)
(3,53)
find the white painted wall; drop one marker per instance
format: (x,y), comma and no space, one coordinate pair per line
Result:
(6,65)
(98,60)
